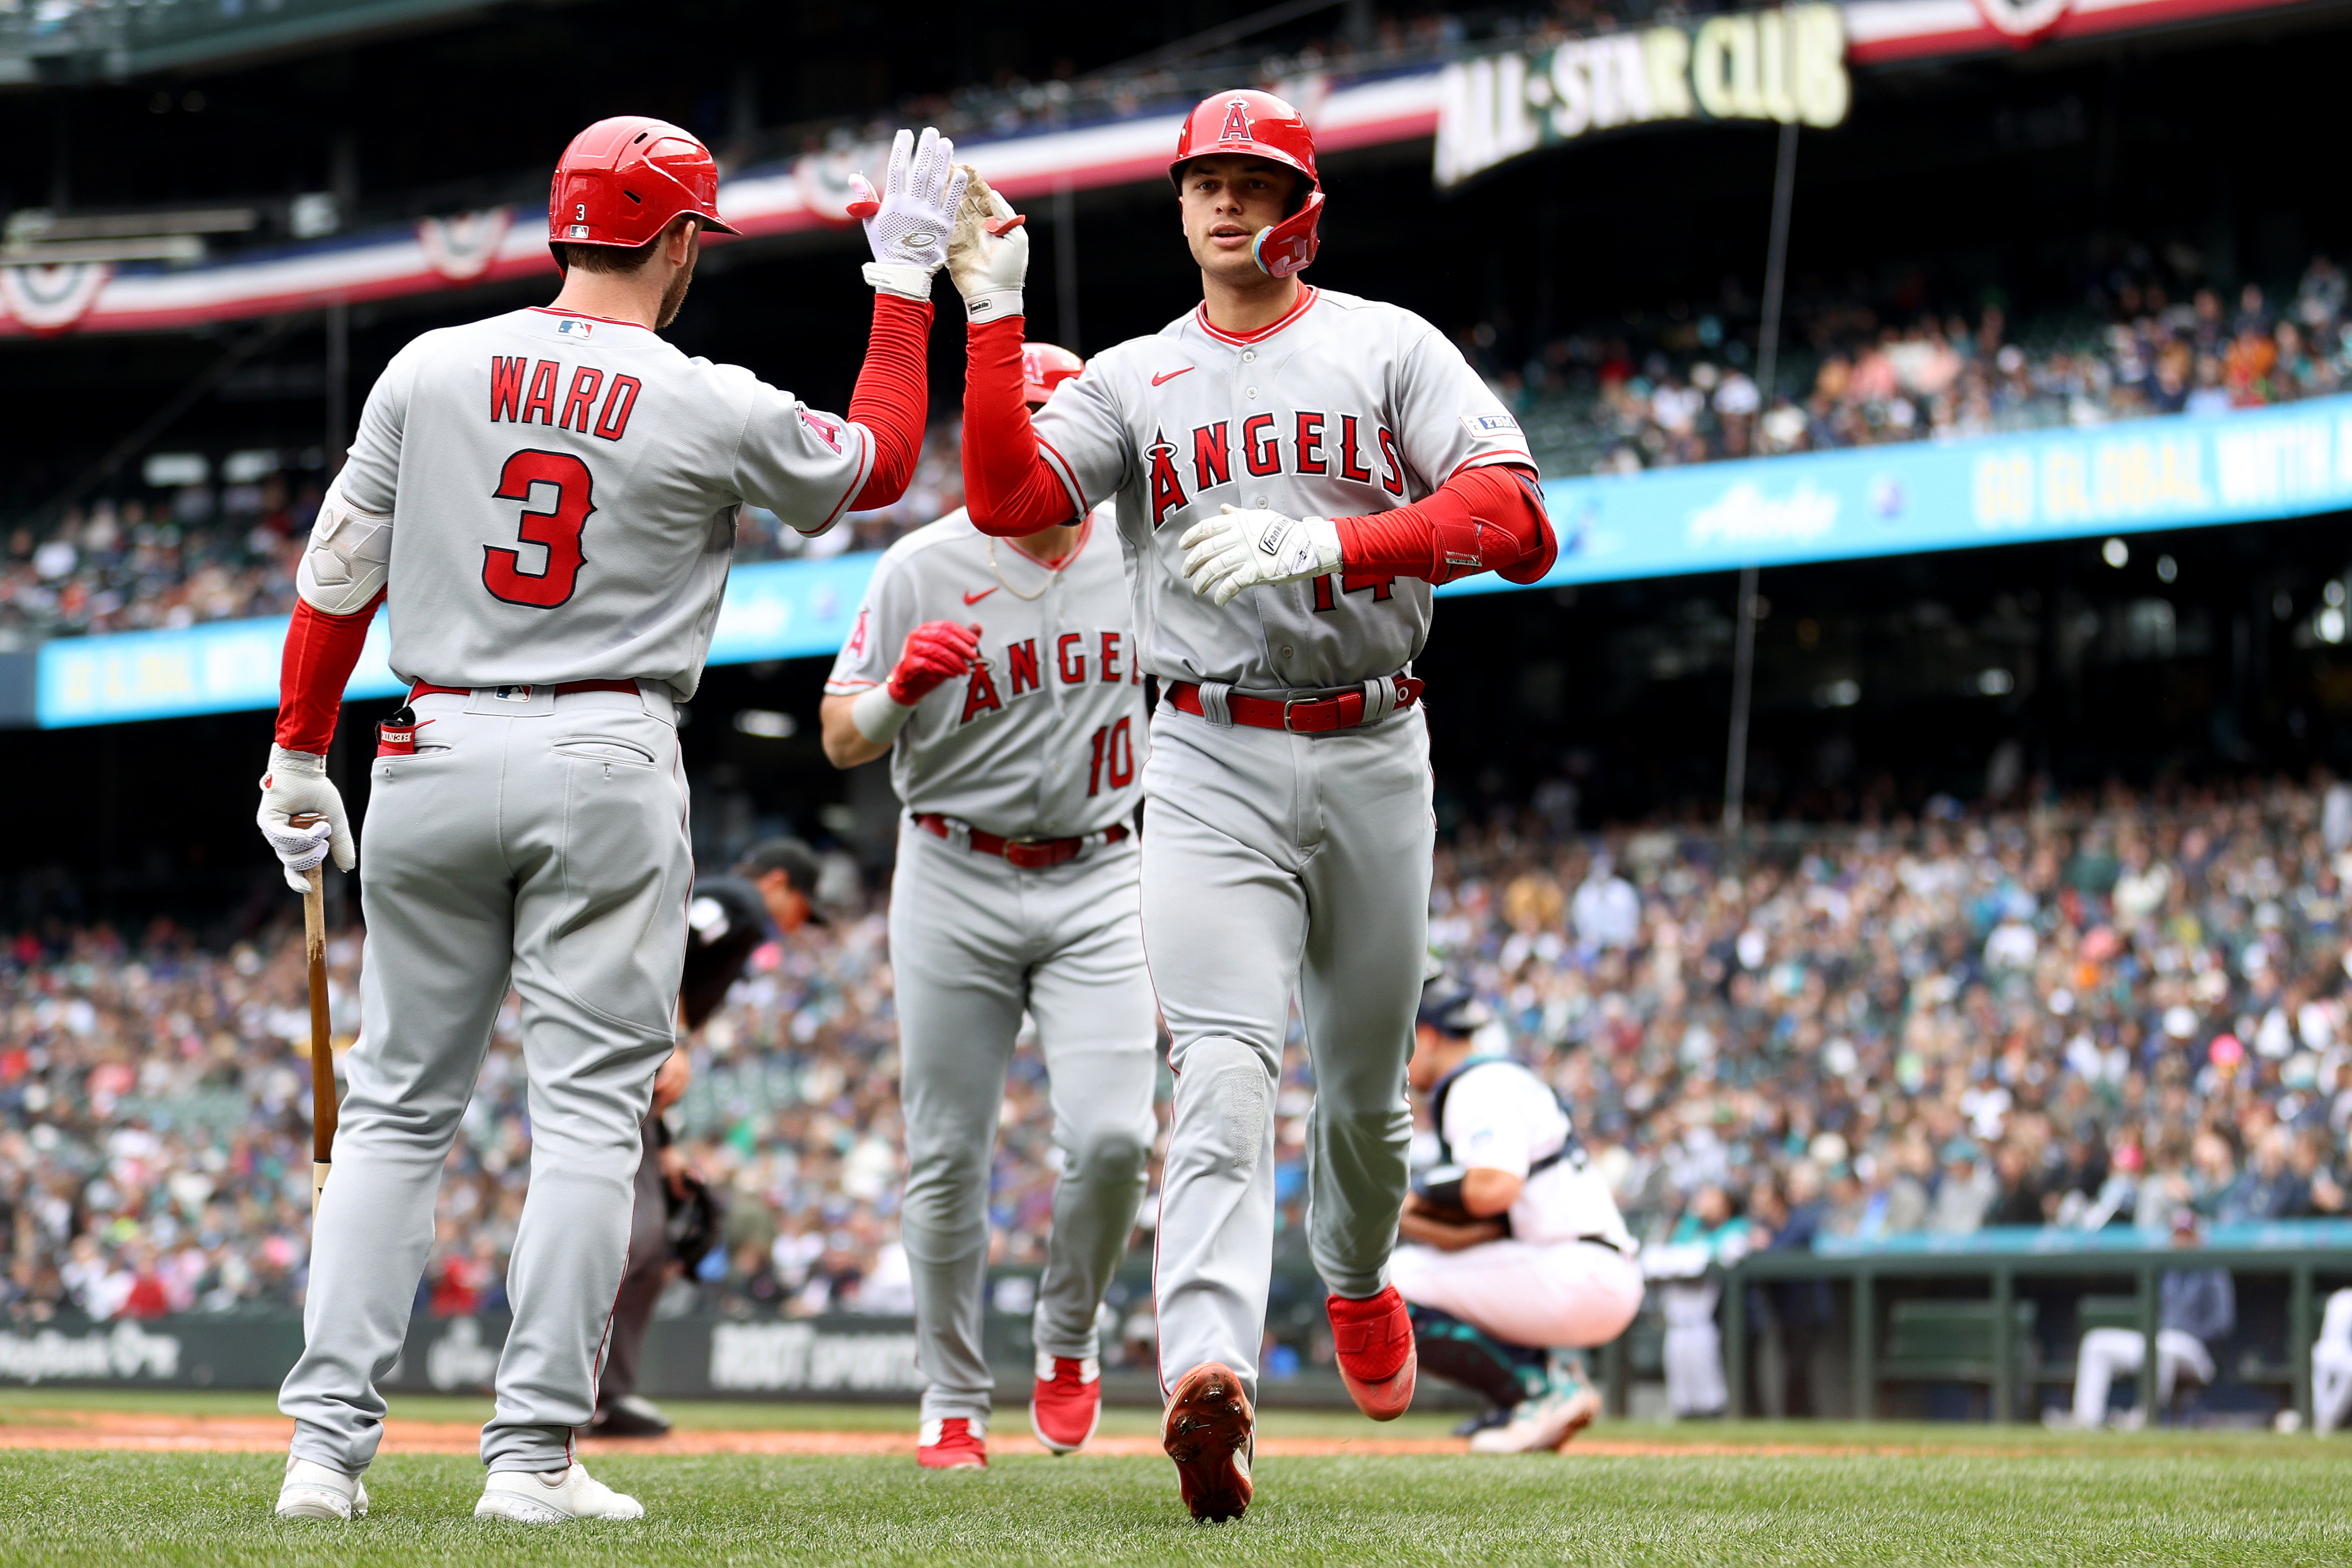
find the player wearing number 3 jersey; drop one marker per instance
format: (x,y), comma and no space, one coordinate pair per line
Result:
(1001,675)
(1294,469)
(545,502)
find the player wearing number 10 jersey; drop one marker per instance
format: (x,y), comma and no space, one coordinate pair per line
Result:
(1001,675)
(545,502)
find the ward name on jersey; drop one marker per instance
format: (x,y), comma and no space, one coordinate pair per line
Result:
(564,493)
(1044,738)
(1344,407)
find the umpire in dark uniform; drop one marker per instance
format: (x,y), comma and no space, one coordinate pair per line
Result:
(772,891)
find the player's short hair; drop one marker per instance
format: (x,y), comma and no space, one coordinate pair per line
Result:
(617,258)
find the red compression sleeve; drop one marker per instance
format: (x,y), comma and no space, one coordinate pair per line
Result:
(1489,519)
(321,650)
(889,402)
(1008,486)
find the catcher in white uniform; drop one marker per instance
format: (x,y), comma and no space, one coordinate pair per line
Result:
(1294,469)
(1515,1249)
(545,502)
(1001,675)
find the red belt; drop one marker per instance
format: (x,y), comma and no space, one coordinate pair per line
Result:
(1299,715)
(568,688)
(1029,854)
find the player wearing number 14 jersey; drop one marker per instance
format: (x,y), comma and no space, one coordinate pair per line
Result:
(1001,675)
(545,502)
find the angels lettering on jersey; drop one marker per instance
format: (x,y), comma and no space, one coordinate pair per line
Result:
(1309,447)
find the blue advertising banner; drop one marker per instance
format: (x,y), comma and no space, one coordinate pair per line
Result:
(2254,465)
(2249,466)
(774,609)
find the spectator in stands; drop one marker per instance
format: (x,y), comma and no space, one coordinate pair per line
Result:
(2196,1310)
(1607,912)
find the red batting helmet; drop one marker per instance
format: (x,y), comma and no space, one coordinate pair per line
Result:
(623,179)
(1258,124)
(1043,367)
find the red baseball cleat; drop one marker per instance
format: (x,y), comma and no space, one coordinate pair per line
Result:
(1068,1400)
(956,1443)
(1209,1430)
(1373,1339)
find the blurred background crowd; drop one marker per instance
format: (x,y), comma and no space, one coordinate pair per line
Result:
(1883,364)
(2088,1015)
(1657,390)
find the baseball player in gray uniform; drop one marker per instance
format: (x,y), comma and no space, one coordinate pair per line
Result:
(546,500)
(1001,675)
(1293,469)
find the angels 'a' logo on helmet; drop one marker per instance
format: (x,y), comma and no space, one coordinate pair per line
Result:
(1238,126)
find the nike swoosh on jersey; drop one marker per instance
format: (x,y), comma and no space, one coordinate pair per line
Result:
(1170,375)
(976,598)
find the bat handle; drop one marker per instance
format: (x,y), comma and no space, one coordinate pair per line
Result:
(322,1051)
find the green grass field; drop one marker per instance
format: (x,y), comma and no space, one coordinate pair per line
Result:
(1942,1494)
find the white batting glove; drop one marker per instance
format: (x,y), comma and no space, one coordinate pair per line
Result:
(988,254)
(1246,547)
(296,784)
(907,222)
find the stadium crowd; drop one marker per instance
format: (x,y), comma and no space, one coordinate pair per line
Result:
(2077,1017)
(202,551)
(1591,404)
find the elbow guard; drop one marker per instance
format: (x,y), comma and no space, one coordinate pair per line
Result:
(348,558)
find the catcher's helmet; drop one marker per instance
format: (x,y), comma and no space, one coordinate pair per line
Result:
(1451,1007)
(622,180)
(1260,125)
(1043,367)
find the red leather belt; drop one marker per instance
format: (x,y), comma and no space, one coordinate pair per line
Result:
(1029,854)
(568,688)
(1298,715)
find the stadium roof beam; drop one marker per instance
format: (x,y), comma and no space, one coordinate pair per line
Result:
(118,44)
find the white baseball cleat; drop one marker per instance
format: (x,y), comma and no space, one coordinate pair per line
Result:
(527,1496)
(312,1490)
(1544,1422)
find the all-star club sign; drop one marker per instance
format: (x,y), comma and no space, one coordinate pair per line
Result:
(1786,65)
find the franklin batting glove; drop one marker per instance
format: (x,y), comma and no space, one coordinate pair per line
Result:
(297,783)
(1246,547)
(908,223)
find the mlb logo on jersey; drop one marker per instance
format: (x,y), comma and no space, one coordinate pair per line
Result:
(1490,425)
(573,327)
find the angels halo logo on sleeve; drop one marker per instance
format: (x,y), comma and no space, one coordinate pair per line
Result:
(825,430)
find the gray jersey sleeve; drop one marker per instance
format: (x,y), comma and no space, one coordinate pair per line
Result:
(802,465)
(1447,419)
(371,470)
(884,619)
(1082,433)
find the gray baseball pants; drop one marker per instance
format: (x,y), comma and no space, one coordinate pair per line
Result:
(1275,863)
(541,839)
(974,941)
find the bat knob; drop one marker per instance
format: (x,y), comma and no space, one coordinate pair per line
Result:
(305,819)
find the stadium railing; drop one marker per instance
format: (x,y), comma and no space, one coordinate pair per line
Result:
(2299,1252)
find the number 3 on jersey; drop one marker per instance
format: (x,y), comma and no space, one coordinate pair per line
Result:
(556,530)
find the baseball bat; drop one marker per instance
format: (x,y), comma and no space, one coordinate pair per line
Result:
(323,1049)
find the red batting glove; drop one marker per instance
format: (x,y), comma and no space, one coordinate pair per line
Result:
(936,651)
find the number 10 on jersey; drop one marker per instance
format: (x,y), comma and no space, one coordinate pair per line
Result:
(1114,748)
